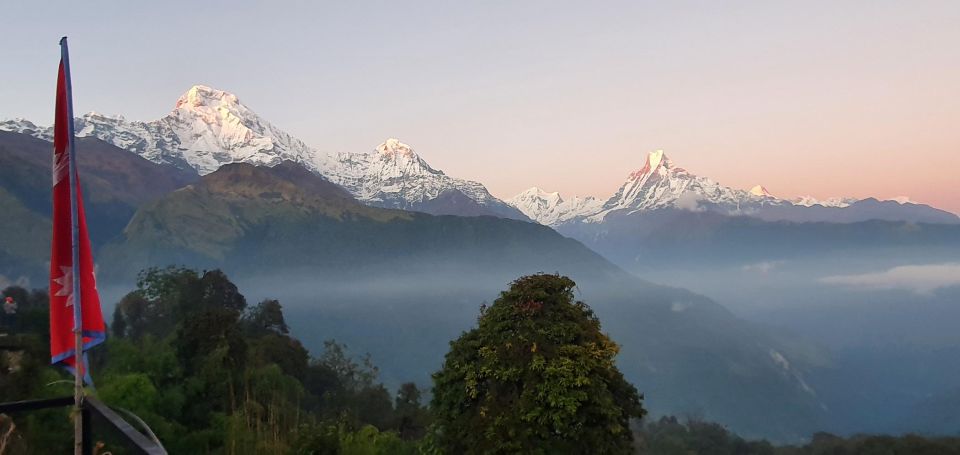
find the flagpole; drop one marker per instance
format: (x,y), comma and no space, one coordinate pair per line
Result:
(75,250)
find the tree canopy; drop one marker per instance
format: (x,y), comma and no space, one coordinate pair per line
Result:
(536,375)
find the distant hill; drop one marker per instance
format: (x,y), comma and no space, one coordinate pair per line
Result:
(247,218)
(115,183)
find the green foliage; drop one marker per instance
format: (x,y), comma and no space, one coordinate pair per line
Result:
(317,440)
(536,376)
(337,440)
(266,317)
(208,375)
(370,441)
(413,418)
(669,436)
(828,444)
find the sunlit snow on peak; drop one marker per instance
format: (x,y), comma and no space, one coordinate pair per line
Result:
(551,208)
(537,192)
(654,159)
(902,200)
(393,146)
(835,202)
(202,95)
(760,191)
(209,128)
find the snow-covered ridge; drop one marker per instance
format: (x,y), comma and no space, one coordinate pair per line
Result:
(661,184)
(836,202)
(658,184)
(550,208)
(24,126)
(208,128)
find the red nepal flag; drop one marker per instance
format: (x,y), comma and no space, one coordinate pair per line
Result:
(72,301)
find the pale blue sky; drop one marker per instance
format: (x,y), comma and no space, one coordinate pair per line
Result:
(823,98)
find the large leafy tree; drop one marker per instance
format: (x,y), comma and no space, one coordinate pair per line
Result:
(536,376)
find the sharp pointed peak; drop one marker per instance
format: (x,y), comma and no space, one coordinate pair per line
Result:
(655,160)
(655,157)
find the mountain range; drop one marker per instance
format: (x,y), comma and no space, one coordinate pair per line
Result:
(208,128)
(660,184)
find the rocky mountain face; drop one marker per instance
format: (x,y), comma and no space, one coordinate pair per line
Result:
(660,184)
(209,128)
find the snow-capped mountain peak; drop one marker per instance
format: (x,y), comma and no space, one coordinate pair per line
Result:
(654,158)
(214,128)
(760,191)
(657,184)
(208,128)
(24,126)
(660,184)
(396,160)
(551,208)
(200,96)
(393,147)
(537,194)
(534,201)
(653,164)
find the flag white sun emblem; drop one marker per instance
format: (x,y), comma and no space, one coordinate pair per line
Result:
(66,284)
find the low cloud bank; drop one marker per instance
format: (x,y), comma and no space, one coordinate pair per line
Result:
(922,279)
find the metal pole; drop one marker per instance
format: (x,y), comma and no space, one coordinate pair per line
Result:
(75,249)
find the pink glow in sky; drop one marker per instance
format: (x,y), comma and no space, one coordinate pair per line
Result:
(854,98)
